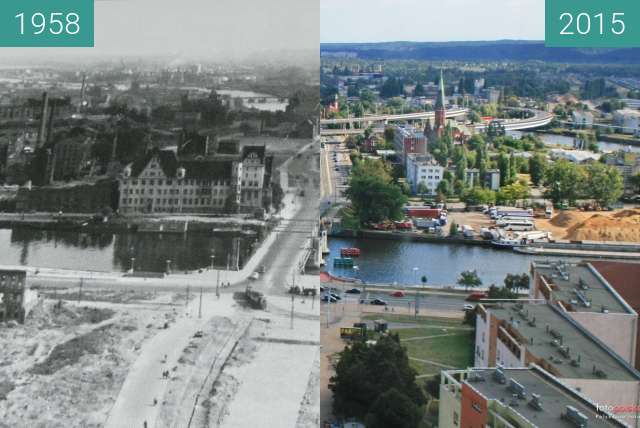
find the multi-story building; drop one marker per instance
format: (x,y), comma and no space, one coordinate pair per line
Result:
(423,169)
(408,140)
(580,291)
(628,120)
(623,278)
(582,119)
(163,182)
(517,397)
(519,334)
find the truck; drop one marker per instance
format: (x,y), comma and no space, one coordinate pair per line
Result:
(351,333)
(423,212)
(255,299)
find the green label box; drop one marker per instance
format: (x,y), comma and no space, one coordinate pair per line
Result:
(592,23)
(46,23)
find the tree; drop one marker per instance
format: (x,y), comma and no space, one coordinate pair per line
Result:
(373,194)
(479,196)
(422,188)
(538,164)
(515,282)
(505,169)
(511,193)
(365,373)
(635,181)
(424,279)
(469,278)
(565,181)
(604,184)
(444,187)
(393,409)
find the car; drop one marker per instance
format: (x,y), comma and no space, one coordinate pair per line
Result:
(322,289)
(199,333)
(254,276)
(397,293)
(378,302)
(468,307)
(353,291)
(335,296)
(328,299)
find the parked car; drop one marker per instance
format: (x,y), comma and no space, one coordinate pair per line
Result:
(378,302)
(336,296)
(328,299)
(397,293)
(353,291)
(468,307)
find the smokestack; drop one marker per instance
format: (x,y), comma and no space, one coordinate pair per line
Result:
(50,124)
(82,92)
(43,119)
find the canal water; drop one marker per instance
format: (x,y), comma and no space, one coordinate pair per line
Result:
(564,141)
(113,252)
(386,261)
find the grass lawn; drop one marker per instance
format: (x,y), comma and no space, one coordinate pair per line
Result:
(441,342)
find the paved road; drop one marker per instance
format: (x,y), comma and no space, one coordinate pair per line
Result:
(426,301)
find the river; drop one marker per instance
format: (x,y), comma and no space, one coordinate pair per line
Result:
(113,252)
(386,261)
(564,141)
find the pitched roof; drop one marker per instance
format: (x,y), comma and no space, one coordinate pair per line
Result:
(207,169)
(259,150)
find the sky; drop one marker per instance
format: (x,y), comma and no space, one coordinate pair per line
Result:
(430,20)
(215,28)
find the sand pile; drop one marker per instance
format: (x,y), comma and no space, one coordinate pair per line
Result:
(567,218)
(622,226)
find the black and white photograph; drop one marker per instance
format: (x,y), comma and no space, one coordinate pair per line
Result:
(159,223)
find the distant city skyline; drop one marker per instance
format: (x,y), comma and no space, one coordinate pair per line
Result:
(220,30)
(345,21)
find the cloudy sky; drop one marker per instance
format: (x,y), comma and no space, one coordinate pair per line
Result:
(430,20)
(228,28)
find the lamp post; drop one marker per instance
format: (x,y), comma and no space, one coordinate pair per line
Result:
(168,266)
(417,303)
(133,261)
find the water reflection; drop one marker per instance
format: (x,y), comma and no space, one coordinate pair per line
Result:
(108,251)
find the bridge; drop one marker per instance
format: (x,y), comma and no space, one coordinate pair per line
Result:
(537,119)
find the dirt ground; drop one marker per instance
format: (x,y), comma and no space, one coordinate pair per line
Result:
(619,225)
(475,219)
(65,365)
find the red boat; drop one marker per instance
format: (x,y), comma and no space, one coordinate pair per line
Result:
(350,252)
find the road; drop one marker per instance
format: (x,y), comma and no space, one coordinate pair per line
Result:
(281,253)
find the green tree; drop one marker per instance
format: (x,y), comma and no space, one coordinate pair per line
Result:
(469,278)
(537,166)
(364,373)
(393,409)
(422,188)
(479,196)
(373,194)
(565,182)
(511,193)
(604,183)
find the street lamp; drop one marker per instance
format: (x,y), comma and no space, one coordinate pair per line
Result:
(212,256)
(133,260)
(168,266)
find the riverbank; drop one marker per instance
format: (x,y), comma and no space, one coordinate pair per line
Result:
(408,236)
(609,138)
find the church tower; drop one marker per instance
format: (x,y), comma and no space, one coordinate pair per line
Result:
(440,108)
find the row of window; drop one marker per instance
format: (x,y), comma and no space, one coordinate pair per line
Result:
(172,201)
(169,182)
(174,191)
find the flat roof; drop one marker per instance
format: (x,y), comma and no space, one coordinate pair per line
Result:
(545,330)
(554,397)
(569,282)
